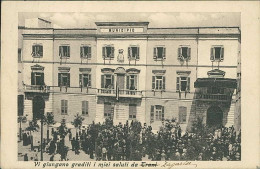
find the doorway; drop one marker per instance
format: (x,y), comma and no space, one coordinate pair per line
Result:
(121,81)
(38,107)
(214,116)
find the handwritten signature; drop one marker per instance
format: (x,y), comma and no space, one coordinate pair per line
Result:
(170,165)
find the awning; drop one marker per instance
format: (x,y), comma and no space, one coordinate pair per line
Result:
(216,82)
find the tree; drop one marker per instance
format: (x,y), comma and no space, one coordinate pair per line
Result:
(62,129)
(33,126)
(49,120)
(77,122)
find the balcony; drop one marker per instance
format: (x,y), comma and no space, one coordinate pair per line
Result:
(37,88)
(122,93)
(212,97)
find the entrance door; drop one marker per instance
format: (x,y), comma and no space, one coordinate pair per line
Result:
(121,81)
(38,107)
(214,117)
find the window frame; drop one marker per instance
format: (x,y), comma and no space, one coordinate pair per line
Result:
(178,83)
(128,81)
(34,47)
(62,54)
(82,49)
(155,53)
(180,53)
(106,114)
(213,53)
(155,79)
(104,78)
(61,74)
(182,114)
(81,80)
(104,52)
(157,113)
(64,107)
(132,114)
(130,52)
(85,108)
(34,76)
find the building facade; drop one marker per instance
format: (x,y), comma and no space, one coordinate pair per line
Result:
(128,71)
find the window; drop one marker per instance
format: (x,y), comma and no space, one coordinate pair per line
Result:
(84,107)
(64,107)
(85,52)
(107,81)
(217,53)
(37,78)
(19,55)
(84,80)
(108,110)
(159,53)
(37,51)
(64,51)
(183,84)
(184,53)
(182,114)
(131,82)
(132,111)
(158,83)
(64,79)
(108,52)
(215,90)
(133,53)
(157,113)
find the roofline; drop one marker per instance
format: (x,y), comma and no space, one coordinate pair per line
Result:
(198,27)
(121,23)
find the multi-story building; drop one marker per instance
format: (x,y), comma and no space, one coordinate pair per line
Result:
(128,71)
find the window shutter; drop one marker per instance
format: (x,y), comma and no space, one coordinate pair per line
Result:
(127,82)
(163,113)
(154,53)
(164,53)
(222,54)
(86,106)
(163,78)
(80,81)
(68,82)
(103,52)
(81,51)
(180,114)
(89,80)
(32,51)
(68,51)
(89,52)
(112,81)
(59,79)
(83,107)
(60,51)
(112,52)
(137,56)
(42,79)
(102,81)
(135,79)
(177,83)
(129,52)
(41,50)
(153,82)
(212,54)
(152,114)
(179,52)
(188,83)
(32,78)
(189,53)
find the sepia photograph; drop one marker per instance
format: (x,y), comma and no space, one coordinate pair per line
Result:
(129,86)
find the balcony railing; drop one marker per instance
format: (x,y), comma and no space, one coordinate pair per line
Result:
(121,93)
(212,97)
(37,88)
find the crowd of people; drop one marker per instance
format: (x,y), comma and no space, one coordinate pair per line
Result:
(133,141)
